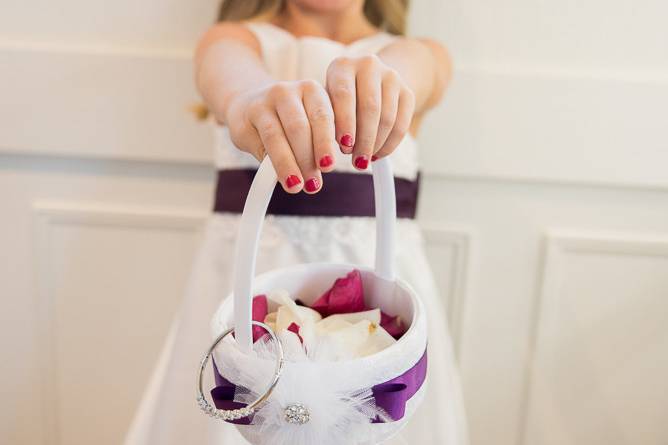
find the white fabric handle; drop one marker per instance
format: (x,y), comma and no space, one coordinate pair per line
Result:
(250,227)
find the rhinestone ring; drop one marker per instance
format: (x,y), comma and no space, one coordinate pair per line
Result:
(235,414)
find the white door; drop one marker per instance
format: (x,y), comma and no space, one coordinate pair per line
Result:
(545,206)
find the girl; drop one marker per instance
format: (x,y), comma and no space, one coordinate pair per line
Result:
(319,87)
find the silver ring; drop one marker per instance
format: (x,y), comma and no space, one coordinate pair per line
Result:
(251,408)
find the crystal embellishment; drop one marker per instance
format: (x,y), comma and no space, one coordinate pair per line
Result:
(223,414)
(296,414)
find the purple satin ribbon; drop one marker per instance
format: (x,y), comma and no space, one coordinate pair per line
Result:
(391,396)
(343,194)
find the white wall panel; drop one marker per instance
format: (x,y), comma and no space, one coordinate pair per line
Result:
(569,91)
(138,207)
(100,103)
(110,282)
(166,24)
(584,36)
(550,127)
(449,253)
(601,351)
(509,220)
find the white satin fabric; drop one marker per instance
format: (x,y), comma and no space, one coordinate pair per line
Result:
(168,414)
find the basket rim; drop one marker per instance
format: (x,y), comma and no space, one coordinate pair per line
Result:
(360,361)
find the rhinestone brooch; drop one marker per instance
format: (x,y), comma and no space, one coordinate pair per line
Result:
(296,414)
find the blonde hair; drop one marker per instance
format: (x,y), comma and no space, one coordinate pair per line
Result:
(388,15)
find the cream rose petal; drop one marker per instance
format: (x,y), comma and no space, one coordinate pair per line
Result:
(329,325)
(353,338)
(373,316)
(377,340)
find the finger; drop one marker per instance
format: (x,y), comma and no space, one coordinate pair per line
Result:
(321,117)
(249,141)
(341,90)
(389,106)
(245,136)
(297,129)
(368,113)
(275,143)
(402,124)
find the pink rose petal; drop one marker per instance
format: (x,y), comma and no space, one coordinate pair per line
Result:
(260,311)
(344,297)
(393,325)
(294,327)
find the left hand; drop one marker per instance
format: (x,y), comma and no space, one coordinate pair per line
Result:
(373,107)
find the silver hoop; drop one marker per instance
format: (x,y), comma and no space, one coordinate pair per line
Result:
(251,408)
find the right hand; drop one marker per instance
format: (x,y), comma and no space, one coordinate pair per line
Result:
(294,123)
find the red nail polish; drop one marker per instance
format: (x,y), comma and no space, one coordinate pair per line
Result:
(312,185)
(326,161)
(361,162)
(347,140)
(374,158)
(292,181)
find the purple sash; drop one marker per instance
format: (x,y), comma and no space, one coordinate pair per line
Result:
(391,396)
(343,194)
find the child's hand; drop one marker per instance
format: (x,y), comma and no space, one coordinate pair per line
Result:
(373,107)
(294,122)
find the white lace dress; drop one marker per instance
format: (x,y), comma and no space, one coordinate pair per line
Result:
(168,414)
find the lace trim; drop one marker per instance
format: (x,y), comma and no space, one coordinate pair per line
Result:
(316,231)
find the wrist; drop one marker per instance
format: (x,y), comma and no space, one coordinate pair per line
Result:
(227,104)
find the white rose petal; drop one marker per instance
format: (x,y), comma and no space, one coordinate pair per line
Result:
(337,337)
(329,325)
(373,316)
(378,340)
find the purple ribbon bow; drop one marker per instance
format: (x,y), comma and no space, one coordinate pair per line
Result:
(390,396)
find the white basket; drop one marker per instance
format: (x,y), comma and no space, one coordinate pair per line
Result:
(307,282)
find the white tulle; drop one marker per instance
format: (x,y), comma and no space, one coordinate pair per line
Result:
(336,413)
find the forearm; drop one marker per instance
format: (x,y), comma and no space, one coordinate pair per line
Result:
(423,65)
(224,68)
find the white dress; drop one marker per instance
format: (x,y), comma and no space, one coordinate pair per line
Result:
(168,414)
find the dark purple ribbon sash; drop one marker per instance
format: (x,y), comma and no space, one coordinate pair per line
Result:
(343,194)
(391,396)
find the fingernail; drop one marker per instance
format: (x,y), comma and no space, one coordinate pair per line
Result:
(312,185)
(361,162)
(292,181)
(347,140)
(326,161)
(374,158)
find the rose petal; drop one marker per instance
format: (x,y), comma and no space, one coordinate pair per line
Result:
(331,324)
(294,327)
(393,325)
(259,312)
(372,315)
(377,340)
(271,318)
(348,341)
(291,313)
(345,296)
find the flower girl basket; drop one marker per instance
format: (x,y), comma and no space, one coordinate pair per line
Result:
(273,400)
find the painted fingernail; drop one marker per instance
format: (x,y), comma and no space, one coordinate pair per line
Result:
(312,185)
(374,158)
(347,140)
(292,181)
(361,162)
(326,161)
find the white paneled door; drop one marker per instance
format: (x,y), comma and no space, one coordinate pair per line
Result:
(545,208)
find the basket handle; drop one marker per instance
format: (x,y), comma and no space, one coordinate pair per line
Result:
(250,227)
